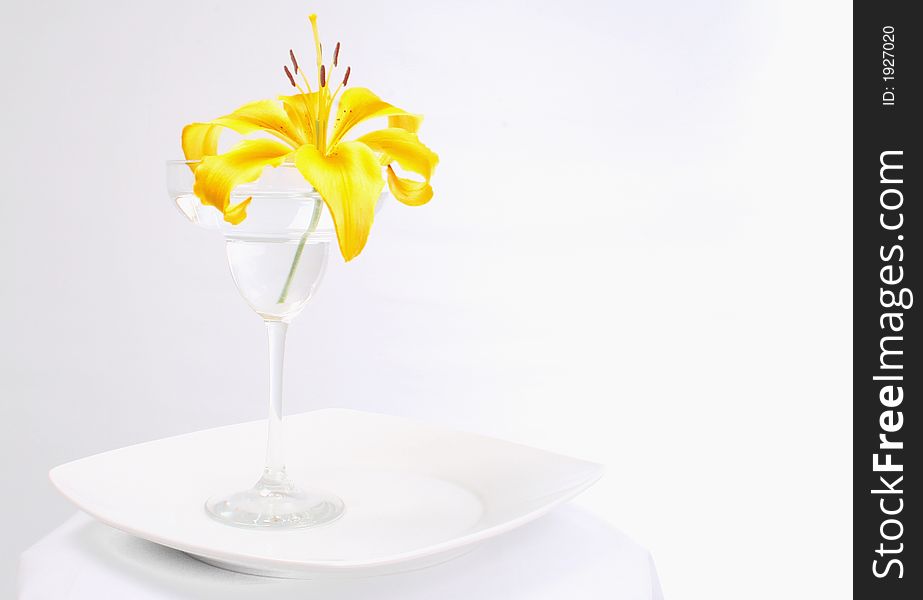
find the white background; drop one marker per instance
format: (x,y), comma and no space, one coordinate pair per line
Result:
(638,253)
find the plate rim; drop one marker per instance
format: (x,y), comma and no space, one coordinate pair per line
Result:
(595,472)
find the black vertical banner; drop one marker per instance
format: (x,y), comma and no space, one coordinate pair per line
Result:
(887,367)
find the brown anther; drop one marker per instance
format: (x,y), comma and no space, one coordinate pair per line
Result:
(346,77)
(294,62)
(323,76)
(336,54)
(290,78)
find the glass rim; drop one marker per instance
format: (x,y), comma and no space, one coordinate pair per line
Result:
(198,160)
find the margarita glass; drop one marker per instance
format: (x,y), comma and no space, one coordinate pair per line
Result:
(277,257)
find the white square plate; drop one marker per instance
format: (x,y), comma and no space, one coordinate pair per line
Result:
(415,494)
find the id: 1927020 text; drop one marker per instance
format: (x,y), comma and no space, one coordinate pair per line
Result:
(887,65)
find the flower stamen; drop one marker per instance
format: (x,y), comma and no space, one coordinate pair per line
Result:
(318,50)
(337,91)
(289,75)
(294,62)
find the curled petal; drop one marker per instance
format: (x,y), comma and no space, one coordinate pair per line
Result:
(237,213)
(409,122)
(200,140)
(349,180)
(357,105)
(406,148)
(217,175)
(408,191)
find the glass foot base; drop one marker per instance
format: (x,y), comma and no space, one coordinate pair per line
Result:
(276,503)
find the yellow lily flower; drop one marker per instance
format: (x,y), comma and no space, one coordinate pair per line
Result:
(346,174)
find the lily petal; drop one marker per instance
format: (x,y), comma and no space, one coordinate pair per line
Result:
(349,180)
(410,153)
(263,115)
(408,191)
(237,213)
(217,175)
(357,105)
(201,139)
(409,122)
(302,110)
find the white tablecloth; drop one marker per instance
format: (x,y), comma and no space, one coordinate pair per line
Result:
(568,554)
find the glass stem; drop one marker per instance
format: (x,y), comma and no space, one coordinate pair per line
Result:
(275,463)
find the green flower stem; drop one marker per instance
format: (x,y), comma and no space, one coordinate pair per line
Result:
(304,238)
